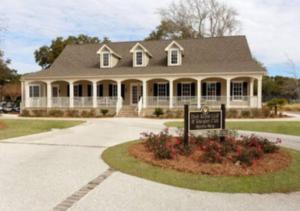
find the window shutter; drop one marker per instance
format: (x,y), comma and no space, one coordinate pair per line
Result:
(168,89)
(80,90)
(245,88)
(218,89)
(179,89)
(123,91)
(231,89)
(203,89)
(141,90)
(68,90)
(89,90)
(110,90)
(100,90)
(193,89)
(155,89)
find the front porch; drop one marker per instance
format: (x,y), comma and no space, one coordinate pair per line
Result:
(235,92)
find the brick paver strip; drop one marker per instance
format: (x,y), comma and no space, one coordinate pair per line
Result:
(75,197)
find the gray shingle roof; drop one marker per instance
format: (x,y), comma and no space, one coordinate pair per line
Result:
(218,55)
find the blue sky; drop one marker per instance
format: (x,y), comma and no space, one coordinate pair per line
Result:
(272,27)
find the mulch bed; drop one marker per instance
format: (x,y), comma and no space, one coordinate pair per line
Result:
(2,125)
(192,164)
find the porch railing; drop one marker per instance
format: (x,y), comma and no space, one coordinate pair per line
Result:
(156,101)
(107,101)
(213,100)
(179,101)
(37,102)
(60,102)
(83,101)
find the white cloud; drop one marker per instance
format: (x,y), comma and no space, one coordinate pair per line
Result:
(271,26)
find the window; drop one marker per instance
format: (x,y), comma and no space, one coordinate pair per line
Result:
(162,89)
(105,58)
(77,90)
(186,89)
(114,90)
(34,91)
(211,91)
(174,56)
(139,58)
(237,89)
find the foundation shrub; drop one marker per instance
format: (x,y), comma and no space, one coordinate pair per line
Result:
(232,113)
(266,111)
(56,113)
(72,113)
(88,114)
(179,113)
(256,113)
(158,112)
(245,114)
(39,113)
(25,113)
(104,112)
(169,114)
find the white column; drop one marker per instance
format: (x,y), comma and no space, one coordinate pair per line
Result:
(251,91)
(71,93)
(171,93)
(119,90)
(22,93)
(199,91)
(94,94)
(145,92)
(228,92)
(259,92)
(49,94)
(27,99)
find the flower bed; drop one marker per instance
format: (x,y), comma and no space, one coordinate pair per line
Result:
(208,155)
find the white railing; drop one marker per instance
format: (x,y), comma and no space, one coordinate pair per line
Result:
(107,101)
(119,105)
(213,100)
(179,101)
(83,101)
(240,100)
(140,106)
(60,102)
(37,102)
(156,101)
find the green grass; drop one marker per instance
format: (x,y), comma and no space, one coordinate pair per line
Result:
(286,180)
(289,128)
(15,128)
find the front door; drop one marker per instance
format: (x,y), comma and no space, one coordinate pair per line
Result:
(135,93)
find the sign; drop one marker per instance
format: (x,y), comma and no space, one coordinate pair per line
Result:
(205,120)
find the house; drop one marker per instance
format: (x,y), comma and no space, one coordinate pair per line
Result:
(143,75)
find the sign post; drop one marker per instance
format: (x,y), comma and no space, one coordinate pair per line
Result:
(186,125)
(223,109)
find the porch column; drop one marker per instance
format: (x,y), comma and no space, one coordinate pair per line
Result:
(171,93)
(71,93)
(26,87)
(251,92)
(94,94)
(259,92)
(49,94)
(119,90)
(199,91)
(145,93)
(228,83)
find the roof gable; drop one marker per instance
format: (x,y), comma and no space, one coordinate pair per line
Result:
(139,45)
(172,44)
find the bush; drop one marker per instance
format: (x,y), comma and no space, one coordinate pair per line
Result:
(25,113)
(88,114)
(104,112)
(56,113)
(245,113)
(232,113)
(39,113)
(72,113)
(256,113)
(266,111)
(276,103)
(158,112)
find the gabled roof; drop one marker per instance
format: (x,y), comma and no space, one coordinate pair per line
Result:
(174,43)
(142,47)
(104,46)
(219,55)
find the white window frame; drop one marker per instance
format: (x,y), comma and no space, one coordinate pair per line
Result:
(211,97)
(31,91)
(190,89)
(114,90)
(177,56)
(58,91)
(135,58)
(179,59)
(102,60)
(76,90)
(165,89)
(235,95)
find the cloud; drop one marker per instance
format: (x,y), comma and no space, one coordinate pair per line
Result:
(271,26)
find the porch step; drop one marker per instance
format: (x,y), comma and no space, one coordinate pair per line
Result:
(128,111)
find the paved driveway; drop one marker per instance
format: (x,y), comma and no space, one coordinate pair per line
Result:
(48,170)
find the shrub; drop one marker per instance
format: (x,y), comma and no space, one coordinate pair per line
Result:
(25,113)
(212,152)
(276,103)
(256,113)
(104,112)
(85,114)
(39,113)
(179,113)
(266,111)
(56,113)
(158,112)
(92,113)
(169,114)
(72,113)
(232,113)
(245,113)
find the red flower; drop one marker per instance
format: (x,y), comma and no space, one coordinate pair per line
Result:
(238,150)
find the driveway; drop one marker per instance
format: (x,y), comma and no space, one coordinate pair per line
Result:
(63,169)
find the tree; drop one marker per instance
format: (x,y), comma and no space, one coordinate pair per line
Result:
(196,18)
(6,74)
(275,103)
(46,55)
(295,83)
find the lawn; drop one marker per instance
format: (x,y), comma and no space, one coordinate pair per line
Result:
(286,180)
(289,128)
(15,128)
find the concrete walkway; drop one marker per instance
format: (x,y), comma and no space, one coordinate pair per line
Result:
(63,168)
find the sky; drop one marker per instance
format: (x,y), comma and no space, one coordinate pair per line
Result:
(272,27)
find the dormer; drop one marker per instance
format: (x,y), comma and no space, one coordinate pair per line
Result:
(108,58)
(140,55)
(175,53)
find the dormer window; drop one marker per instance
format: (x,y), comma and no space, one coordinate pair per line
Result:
(175,53)
(139,58)
(174,57)
(105,59)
